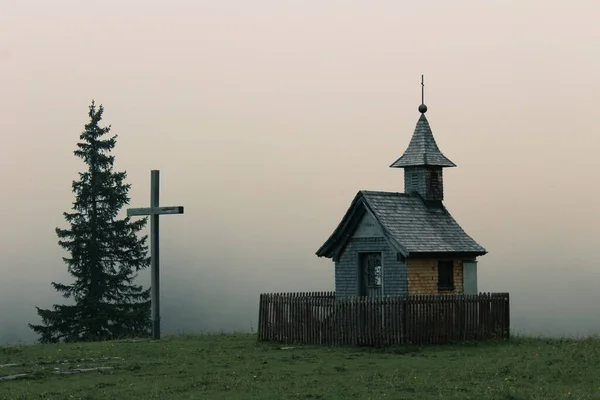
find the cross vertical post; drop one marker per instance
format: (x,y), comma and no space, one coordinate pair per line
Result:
(155,254)
(154,212)
(422,90)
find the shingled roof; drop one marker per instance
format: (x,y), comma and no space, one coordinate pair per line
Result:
(407,222)
(423,149)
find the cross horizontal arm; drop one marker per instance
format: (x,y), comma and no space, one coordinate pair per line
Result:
(132,212)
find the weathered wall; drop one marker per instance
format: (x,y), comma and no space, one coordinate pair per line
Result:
(423,276)
(368,227)
(418,179)
(415,180)
(369,238)
(470,277)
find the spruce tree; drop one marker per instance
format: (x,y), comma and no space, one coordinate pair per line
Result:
(105,252)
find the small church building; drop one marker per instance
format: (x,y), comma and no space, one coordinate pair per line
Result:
(390,244)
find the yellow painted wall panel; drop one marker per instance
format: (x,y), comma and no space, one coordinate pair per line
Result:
(423,276)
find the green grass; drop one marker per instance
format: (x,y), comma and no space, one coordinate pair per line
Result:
(236,367)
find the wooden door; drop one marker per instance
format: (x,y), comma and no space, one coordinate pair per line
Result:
(371,272)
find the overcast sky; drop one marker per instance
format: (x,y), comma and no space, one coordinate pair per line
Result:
(266,117)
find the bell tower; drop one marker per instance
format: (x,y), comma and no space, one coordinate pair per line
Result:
(423,161)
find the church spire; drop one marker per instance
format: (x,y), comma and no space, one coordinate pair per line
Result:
(423,161)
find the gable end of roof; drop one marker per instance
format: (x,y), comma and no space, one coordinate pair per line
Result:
(344,231)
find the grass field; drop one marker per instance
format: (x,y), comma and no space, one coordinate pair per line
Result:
(236,367)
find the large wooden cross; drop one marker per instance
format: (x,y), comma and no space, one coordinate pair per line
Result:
(154,211)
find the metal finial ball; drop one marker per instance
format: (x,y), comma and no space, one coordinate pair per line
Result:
(422,108)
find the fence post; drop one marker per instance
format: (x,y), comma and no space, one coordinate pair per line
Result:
(507,315)
(261,314)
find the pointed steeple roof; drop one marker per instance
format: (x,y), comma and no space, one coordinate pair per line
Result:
(423,149)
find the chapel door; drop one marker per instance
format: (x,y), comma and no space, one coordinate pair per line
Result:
(370,274)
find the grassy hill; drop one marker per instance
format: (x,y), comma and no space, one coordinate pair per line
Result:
(236,367)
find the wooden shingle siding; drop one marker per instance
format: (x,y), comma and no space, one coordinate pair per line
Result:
(346,269)
(423,276)
(458,276)
(434,183)
(368,227)
(414,180)
(421,180)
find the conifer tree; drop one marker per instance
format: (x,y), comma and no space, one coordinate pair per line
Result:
(105,252)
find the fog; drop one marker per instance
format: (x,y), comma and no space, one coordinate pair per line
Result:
(266,117)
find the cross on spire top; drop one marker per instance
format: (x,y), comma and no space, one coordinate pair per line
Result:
(422,107)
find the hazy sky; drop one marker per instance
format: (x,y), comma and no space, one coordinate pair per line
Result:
(266,117)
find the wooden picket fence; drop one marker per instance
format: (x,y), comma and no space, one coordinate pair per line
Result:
(320,318)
